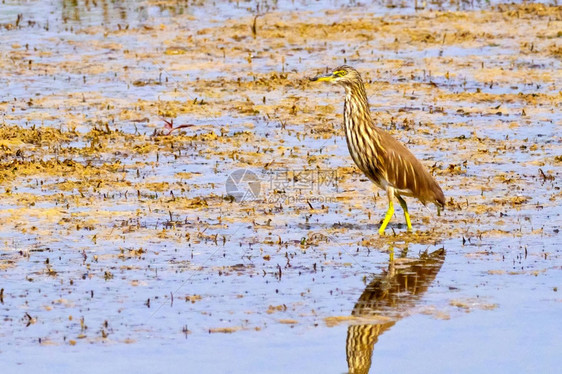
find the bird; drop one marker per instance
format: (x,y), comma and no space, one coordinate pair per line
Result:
(382,158)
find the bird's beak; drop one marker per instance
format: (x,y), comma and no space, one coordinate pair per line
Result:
(323,78)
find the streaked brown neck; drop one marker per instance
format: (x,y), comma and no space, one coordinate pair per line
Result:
(356,105)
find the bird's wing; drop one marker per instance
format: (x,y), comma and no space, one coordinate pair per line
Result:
(406,173)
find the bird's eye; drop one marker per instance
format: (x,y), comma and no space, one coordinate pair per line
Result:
(339,73)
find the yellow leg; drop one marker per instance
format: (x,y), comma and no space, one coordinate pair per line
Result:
(387,217)
(406,214)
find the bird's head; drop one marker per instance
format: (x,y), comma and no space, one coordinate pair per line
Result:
(343,75)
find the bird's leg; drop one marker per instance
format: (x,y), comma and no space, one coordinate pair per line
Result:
(389,212)
(406,214)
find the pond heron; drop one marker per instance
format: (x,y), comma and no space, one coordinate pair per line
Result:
(383,159)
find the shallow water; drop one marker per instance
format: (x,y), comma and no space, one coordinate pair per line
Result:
(122,250)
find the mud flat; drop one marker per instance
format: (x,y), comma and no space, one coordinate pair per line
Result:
(246,240)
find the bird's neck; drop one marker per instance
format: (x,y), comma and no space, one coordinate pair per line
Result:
(356,107)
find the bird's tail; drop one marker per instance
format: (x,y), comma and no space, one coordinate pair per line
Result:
(438,196)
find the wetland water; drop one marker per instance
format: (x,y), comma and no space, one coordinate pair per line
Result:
(122,248)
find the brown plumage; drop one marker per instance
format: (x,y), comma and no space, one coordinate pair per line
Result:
(383,159)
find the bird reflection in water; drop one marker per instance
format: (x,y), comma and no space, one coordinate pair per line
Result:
(386,300)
